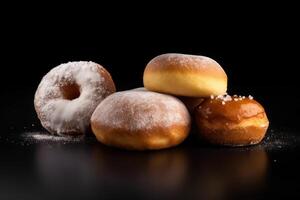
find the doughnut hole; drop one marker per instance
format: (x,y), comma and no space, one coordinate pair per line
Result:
(70,91)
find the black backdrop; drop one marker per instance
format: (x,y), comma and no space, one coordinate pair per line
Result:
(252,55)
(256,44)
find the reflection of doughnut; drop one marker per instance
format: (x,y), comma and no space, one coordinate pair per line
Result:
(225,173)
(185,75)
(68,95)
(140,120)
(148,168)
(233,121)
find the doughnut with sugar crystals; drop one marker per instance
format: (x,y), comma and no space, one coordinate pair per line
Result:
(68,95)
(141,120)
(231,120)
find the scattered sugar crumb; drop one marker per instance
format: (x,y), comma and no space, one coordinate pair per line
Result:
(46,137)
(280,139)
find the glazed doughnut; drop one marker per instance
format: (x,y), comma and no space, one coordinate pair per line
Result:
(231,120)
(68,95)
(140,120)
(185,75)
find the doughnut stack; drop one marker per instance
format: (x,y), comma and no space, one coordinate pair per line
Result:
(201,82)
(179,90)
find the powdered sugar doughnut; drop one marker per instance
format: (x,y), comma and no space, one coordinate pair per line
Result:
(68,95)
(140,119)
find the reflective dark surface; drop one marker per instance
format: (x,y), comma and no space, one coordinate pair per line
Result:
(35,165)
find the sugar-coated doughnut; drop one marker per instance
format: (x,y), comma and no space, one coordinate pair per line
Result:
(231,120)
(185,75)
(68,95)
(140,120)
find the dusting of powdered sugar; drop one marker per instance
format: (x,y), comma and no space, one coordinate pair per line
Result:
(59,115)
(36,137)
(136,110)
(187,61)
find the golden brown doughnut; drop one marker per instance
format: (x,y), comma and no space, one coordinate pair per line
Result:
(140,120)
(185,75)
(232,121)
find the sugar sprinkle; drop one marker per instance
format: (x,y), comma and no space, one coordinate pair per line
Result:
(46,137)
(225,98)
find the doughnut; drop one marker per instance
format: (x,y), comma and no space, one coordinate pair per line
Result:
(140,120)
(231,120)
(185,75)
(68,95)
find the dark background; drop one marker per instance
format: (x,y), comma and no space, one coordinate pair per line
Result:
(256,44)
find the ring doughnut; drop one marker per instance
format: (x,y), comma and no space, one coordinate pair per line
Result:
(68,95)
